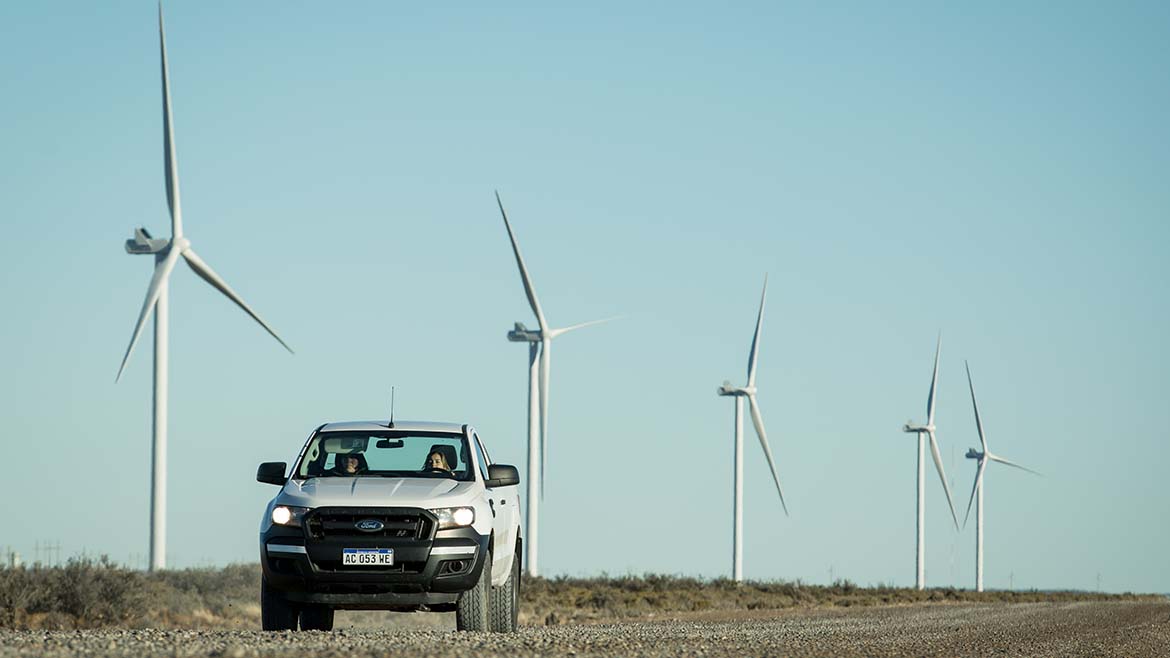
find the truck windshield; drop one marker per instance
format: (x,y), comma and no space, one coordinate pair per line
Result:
(386,454)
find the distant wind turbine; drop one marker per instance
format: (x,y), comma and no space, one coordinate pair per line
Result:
(166,254)
(539,363)
(924,432)
(982,458)
(739,394)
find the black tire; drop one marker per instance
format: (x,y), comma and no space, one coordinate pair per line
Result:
(316,618)
(471,612)
(276,612)
(505,600)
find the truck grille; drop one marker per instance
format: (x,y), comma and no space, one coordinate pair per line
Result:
(397,523)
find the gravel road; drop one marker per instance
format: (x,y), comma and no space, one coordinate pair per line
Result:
(1034,629)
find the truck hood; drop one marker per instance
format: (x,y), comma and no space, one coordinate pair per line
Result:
(375,492)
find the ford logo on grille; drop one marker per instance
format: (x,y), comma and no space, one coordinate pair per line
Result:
(369,525)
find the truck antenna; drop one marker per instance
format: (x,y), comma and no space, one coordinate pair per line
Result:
(391,424)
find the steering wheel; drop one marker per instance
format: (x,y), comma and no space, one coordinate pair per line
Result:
(435,469)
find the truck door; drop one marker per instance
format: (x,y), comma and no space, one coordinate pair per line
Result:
(505,503)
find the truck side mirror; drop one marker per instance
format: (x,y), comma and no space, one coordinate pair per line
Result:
(502,475)
(271,473)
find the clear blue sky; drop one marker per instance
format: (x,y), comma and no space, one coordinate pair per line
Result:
(995,171)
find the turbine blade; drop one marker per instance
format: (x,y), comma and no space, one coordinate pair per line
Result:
(978,423)
(942,476)
(207,274)
(170,160)
(755,353)
(759,423)
(161,271)
(974,488)
(933,386)
(545,366)
(997,458)
(528,289)
(553,333)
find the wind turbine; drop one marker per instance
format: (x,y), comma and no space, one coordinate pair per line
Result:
(923,432)
(982,458)
(539,362)
(739,394)
(166,254)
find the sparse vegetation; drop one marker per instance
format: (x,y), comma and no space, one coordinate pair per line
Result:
(89,593)
(560,600)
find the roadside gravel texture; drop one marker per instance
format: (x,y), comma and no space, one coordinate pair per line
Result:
(1112,628)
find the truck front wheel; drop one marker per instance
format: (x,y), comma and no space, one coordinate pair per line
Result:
(471,612)
(505,606)
(276,612)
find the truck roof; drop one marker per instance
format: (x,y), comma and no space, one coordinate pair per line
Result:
(402,425)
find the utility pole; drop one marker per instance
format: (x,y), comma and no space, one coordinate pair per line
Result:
(52,553)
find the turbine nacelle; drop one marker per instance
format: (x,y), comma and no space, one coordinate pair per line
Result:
(522,334)
(972,453)
(915,429)
(142,243)
(728,390)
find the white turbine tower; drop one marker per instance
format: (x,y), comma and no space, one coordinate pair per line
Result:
(166,254)
(539,363)
(982,458)
(924,432)
(739,394)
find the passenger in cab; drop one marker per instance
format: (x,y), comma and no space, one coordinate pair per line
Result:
(437,461)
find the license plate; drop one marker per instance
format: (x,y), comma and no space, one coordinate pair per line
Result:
(367,557)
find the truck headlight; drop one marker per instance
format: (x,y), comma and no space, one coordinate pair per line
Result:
(454,517)
(288,516)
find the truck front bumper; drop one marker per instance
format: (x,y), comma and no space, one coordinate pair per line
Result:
(426,573)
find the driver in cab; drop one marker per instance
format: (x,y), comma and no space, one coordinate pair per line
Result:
(348,465)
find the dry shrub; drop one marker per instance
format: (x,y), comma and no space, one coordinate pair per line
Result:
(210,596)
(87,593)
(84,593)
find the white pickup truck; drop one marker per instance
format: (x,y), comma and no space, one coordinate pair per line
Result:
(396,515)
